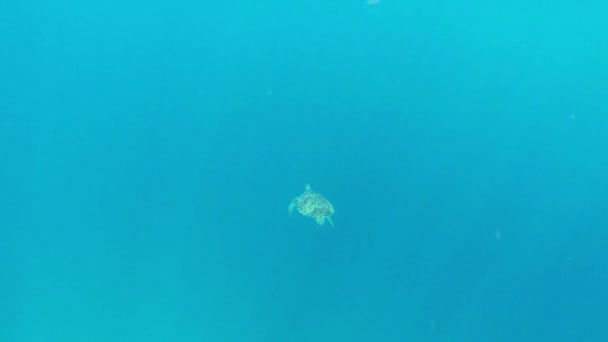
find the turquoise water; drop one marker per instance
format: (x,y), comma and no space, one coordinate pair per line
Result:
(150,151)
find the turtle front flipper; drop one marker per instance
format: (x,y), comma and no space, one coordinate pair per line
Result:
(330,221)
(292,205)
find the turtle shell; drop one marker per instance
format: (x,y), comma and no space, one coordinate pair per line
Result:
(313,204)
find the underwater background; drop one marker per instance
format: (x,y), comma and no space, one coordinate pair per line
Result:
(149,152)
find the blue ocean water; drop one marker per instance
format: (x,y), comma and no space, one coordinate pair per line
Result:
(150,151)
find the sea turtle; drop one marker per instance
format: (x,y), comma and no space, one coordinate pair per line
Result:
(313,204)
